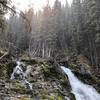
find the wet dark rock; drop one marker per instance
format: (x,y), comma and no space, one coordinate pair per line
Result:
(72,96)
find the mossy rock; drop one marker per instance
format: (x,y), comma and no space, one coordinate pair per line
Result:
(64,83)
(19,89)
(45,70)
(44,97)
(2,70)
(30,61)
(55,97)
(48,96)
(10,67)
(25,98)
(45,67)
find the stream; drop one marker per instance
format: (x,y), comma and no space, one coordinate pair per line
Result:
(80,90)
(18,71)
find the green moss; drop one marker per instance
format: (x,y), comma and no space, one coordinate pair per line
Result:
(24,98)
(96,79)
(60,98)
(30,61)
(19,89)
(53,96)
(45,69)
(42,97)
(3,70)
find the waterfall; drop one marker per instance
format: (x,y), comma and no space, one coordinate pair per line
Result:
(79,89)
(22,75)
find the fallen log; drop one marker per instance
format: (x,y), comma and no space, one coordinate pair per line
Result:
(5,54)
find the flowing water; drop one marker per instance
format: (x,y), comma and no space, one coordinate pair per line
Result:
(22,75)
(79,89)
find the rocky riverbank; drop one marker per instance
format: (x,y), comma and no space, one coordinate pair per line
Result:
(47,79)
(82,68)
(47,83)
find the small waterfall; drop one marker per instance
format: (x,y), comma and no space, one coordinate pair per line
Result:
(22,75)
(79,89)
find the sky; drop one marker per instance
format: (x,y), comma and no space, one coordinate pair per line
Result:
(37,4)
(23,5)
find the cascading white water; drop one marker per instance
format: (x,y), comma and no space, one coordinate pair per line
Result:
(23,75)
(79,89)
